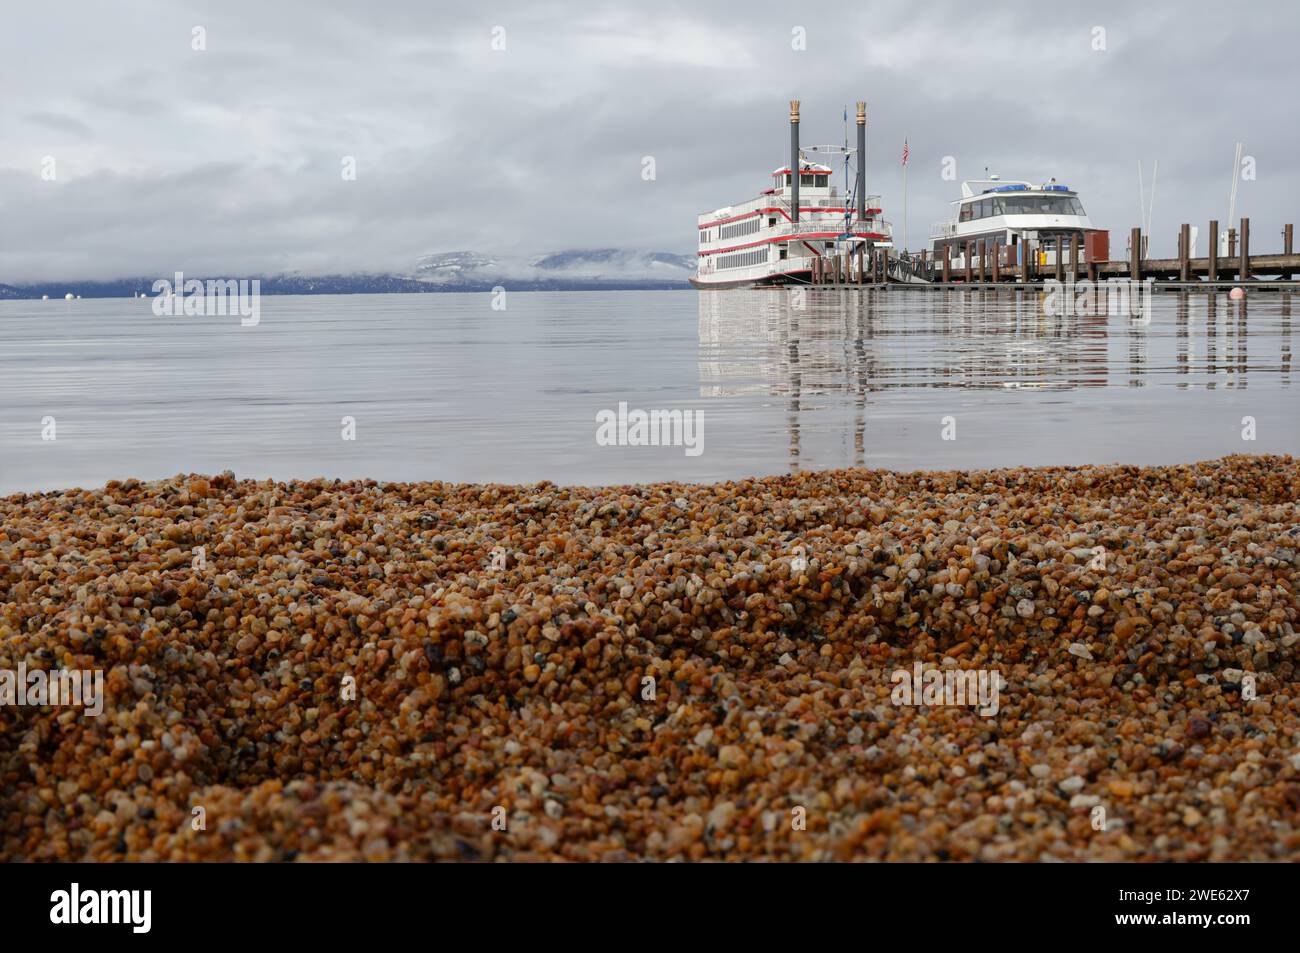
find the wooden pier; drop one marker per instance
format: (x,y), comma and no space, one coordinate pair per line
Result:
(987,264)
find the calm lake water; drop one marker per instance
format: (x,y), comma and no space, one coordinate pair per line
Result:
(442,386)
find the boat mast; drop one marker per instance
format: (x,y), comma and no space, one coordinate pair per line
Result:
(1146,209)
(905,156)
(1142,197)
(862,161)
(848,192)
(1151,205)
(1232,195)
(794,162)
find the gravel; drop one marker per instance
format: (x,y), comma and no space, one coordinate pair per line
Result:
(656,671)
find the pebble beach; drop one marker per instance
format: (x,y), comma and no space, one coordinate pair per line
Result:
(328,670)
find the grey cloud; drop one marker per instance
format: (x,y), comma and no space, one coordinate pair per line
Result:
(228,160)
(60,122)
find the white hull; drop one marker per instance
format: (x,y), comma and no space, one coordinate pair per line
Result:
(763,241)
(1011,214)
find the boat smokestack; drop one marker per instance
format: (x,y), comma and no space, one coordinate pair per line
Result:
(862,162)
(794,160)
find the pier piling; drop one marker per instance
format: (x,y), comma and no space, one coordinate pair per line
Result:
(1243,266)
(1212,265)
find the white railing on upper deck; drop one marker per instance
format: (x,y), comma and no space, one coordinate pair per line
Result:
(780,202)
(804,226)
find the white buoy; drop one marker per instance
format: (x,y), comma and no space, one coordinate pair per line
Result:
(69,296)
(45,297)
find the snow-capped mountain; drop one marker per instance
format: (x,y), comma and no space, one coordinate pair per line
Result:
(590,269)
(584,267)
(617,263)
(453,266)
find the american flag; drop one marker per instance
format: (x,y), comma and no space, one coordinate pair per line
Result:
(904,152)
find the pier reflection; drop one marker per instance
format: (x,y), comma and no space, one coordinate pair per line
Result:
(827,354)
(814,348)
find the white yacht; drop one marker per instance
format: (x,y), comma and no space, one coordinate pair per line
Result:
(775,237)
(992,211)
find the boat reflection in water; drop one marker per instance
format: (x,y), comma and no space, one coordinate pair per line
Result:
(937,379)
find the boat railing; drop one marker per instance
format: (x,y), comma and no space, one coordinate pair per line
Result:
(821,204)
(804,226)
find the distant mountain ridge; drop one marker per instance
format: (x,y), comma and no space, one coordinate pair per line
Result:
(585,265)
(592,269)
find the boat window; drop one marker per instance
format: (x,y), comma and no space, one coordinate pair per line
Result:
(821,181)
(965,215)
(805,178)
(1043,205)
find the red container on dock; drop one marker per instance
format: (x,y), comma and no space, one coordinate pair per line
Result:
(1096,246)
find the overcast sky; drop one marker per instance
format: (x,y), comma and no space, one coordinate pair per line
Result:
(228,160)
